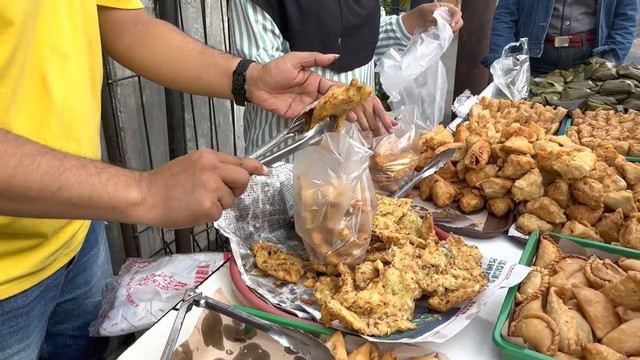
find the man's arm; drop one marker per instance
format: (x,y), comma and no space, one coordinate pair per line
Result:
(621,34)
(37,181)
(162,53)
(503,30)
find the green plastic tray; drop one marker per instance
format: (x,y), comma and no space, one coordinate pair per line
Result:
(514,352)
(565,128)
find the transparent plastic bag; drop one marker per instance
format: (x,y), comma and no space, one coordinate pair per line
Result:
(395,155)
(334,199)
(417,77)
(512,71)
(146,289)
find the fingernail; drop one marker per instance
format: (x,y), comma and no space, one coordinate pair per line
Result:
(265,171)
(335,55)
(394,122)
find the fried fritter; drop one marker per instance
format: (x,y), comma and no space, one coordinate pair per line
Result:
(278,263)
(339,101)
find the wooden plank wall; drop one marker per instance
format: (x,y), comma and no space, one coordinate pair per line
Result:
(141,122)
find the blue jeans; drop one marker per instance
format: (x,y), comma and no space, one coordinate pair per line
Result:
(51,319)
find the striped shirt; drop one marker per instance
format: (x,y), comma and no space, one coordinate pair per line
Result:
(255,36)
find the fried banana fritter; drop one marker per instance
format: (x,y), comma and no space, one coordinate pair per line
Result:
(403,264)
(278,263)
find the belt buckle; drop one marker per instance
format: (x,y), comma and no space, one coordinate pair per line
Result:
(561,41)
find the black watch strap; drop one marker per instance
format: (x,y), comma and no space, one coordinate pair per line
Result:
(238,82)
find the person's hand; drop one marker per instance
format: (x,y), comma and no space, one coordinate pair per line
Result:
(194,189)
(370,115)
(285,85)
(427,11)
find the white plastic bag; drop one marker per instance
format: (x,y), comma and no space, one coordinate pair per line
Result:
(145,289)
(334,199)
(417,76)
(395,155)
(512,71)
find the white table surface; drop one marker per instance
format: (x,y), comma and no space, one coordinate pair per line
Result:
(474,341)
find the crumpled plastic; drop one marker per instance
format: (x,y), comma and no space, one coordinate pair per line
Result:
(417,77)
(512,71)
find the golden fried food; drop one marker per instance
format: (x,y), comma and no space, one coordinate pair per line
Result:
(495,187)
(478,154)
(337,346)
(597,309)
(595,351)
(538,330)
(588,192)
(581,230)
(623,127)
(546,209)
(624,339)
(278,263)
(528,224)
(443,193)
(609,226)
(378,298)
(558,191)
(529,187)
(500,206)
(470,200)
(583,213)
(475,176)
(630,234)
(518,145)
(575,163)
(574,330)
(339,101)
(621,200)
(516,166)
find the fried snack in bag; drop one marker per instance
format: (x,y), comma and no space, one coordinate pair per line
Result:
(334,199)
(396,155)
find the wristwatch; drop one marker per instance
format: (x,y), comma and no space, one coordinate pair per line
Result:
(238,82)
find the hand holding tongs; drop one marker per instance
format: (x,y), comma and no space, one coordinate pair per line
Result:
(299,126)
(307,345)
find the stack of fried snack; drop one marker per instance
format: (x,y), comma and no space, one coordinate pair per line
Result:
(494,153)
(574,307)
(595,129)
(366,351)
(559,185)
(404,261)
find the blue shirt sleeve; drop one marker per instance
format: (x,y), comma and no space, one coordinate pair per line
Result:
(503,29)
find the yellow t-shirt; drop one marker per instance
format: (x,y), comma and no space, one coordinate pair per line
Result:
(50,79)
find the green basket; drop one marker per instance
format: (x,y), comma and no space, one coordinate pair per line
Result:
(513,352)
(564,129)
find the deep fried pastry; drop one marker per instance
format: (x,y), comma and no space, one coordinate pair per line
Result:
(583,213)
(630,234)
(529,187)
(518,145)
(621,200)
(448,172)
(337,346)
(546,209)
(597,309)
(558,191)
(548,251)
(499,207)
(478,154)
(473,177)
(625,291)
(609,226)
(534,285)
(516,166)
(276,262)
(630,171)
(588,192)
(597,351)
(538,330)
(624,339)
(626,314)
(600,273)
(580,229)
(569,265)
(574,330)
(576,164)
(495,187)
(629,264)
(443,193)
(528,224)
(470,200)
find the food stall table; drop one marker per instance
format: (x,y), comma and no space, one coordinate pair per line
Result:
(474,339)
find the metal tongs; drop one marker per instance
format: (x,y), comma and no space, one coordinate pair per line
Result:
(435,164)
(303,343)
(299,126)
